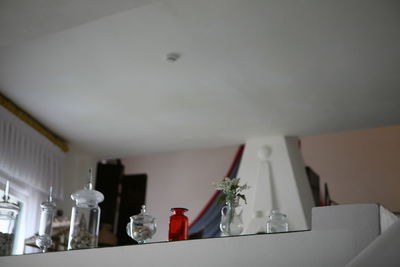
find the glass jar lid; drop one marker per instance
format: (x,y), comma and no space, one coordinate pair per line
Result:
(49,203)
(276,215)
(88,196)
(5,205)
(8,206)
(142,217)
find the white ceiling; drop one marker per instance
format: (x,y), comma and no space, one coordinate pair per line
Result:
(248,68)
(23,20)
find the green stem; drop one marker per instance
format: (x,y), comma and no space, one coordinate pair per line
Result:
(231,213)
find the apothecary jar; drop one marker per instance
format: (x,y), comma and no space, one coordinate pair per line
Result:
(141,227)
(85,218)
(8,216)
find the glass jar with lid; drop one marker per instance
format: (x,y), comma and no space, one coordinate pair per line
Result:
(48,208)
(277,222)
(85,217)
(141,226)
(8,217)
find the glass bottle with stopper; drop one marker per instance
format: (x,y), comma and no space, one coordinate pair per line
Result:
(8,216)
(85,217)
(178,225)
(48,208)
(141,226)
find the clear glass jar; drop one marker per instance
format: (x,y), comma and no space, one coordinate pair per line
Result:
(8,216)
(48,209)
(85,218)
(277,222)
(141,226)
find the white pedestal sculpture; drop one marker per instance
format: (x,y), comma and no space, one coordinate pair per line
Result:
(273,167)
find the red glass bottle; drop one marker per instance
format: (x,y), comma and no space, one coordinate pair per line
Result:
(178,225)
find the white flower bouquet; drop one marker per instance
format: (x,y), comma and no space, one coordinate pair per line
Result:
(232,190)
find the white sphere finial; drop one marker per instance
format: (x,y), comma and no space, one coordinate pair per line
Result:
(264,153)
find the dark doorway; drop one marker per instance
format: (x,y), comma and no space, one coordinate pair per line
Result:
(132,198)
(123,197)
(108,178)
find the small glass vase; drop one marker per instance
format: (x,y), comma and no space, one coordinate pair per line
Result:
(178,225)
(231,219)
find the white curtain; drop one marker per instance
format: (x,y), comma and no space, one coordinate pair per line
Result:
(32,164)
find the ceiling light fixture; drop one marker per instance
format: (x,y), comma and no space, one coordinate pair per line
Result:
(172,57)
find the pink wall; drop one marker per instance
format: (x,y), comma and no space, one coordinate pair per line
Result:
(180,179)
(360,166)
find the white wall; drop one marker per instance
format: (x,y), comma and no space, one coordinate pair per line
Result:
(359,166)
(180,179)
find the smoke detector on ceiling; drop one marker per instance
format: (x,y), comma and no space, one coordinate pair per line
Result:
(172,57)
